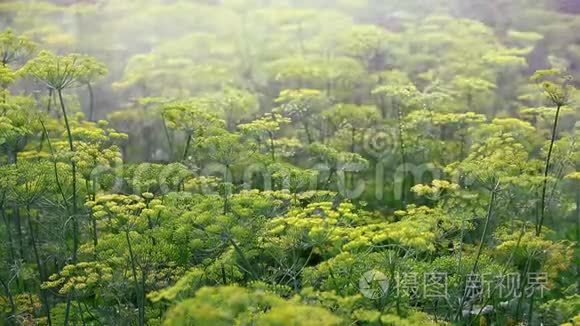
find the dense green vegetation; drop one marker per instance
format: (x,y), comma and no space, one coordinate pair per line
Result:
(255,162)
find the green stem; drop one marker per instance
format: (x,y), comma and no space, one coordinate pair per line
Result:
(48,105)
(546,171)
(74,196)
(577,237)
(12,252)
(91,196)
(502,274)
(10,297)
(187,144)
(91,102)
(272,148)
(18,222)
(58,184)
(308,132)
(80,310)
(481,243)
(74,179)
(523,287)
(245,261)
(134,270)
(226,191)
(169,142)
(401,130)
(39,265)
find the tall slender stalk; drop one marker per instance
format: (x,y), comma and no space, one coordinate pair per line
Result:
(168,137)
(142,296)
(67,309)
(74,179)
(272,148)
(19,234)
(481,243)
(74,197)
(187,144)
(91,102)
(41,271)
(245,261)
(577,236)
(502,274)
(401,131)
(91,196)
(523,286)
(56,177)
(80,310)
(49,103)
(546,171)
(140,301)
(486,226)
(308,132)
(48,108)
(10,297)
(226,190)
(11,251)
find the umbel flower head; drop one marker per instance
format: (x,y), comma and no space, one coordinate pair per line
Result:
(60,72)
(555,84)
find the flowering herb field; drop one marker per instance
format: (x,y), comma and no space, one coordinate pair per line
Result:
(256,162)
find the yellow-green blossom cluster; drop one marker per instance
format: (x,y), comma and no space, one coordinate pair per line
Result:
(81,278)
(436,188)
